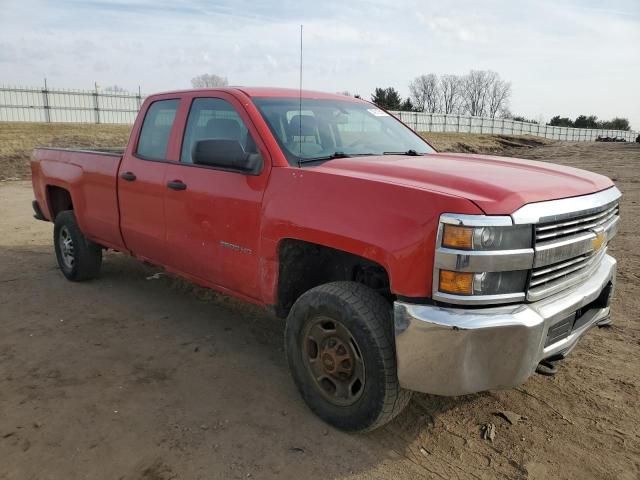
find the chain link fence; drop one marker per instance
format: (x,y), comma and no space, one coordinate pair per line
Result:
(23,104)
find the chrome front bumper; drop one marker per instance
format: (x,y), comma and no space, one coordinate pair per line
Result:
(456,351)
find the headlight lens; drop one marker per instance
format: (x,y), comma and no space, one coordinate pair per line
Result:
(458,283)
(498,283)
(484,283)
(455,236)
(487,238)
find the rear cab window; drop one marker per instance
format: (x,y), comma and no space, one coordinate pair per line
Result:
(156,129)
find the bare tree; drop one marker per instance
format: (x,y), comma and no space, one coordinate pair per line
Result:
(209,80)
(475,87)
(425,92)
(114,89)
(450,93)
(499,93)
(484,93)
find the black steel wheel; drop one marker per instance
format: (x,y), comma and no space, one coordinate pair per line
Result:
(334,361)
(341,352)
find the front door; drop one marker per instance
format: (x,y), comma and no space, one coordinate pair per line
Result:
(213,217)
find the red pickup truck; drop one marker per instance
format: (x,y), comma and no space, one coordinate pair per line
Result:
(397,268)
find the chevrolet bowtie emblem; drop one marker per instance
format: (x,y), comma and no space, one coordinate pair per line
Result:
(598,242)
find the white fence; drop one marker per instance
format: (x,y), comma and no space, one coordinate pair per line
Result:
(439,122)
(20,104)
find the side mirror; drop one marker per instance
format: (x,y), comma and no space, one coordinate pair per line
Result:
(226,154)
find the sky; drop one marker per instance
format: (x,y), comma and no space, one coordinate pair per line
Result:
(562,57)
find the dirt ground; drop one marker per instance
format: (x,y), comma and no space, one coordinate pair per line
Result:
(472,143)
(131,377)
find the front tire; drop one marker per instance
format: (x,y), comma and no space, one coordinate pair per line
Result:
(341,352)
(78,258)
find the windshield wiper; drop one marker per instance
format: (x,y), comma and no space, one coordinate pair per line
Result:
(333,156)
(411,153)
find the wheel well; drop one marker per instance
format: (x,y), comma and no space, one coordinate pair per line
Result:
(305,265)
(59,200)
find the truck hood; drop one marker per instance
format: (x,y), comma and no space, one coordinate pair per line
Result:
(498,185)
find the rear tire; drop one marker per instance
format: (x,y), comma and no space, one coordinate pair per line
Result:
(78,258)
(341,351)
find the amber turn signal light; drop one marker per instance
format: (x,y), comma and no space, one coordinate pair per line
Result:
(459,283)
(455,236)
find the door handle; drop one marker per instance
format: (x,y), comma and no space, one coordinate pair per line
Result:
(128,176)
(177,185)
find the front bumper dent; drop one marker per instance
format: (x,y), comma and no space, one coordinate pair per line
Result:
(456,351)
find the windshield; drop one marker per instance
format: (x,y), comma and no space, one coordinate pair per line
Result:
(333,128)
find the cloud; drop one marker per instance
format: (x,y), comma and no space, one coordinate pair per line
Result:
(566,58)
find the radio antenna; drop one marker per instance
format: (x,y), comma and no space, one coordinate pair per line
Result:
(300,105)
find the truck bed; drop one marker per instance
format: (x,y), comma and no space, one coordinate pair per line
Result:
(90,176)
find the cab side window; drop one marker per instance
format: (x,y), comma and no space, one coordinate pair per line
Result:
(214,119)
(156,128)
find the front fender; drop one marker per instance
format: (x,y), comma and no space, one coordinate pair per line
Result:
(390,224)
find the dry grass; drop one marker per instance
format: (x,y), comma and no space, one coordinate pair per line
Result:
(17,140)
(472,143)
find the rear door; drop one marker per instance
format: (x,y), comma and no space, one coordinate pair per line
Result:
(213,221)
(141,181)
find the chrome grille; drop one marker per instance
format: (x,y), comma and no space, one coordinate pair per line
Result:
(554,278)
(576,225)
(567,250)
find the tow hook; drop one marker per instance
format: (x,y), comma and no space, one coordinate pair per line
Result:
(548,368)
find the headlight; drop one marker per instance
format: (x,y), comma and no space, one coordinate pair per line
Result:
(486,238)
(483,283)
(481,259)
(499,283)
